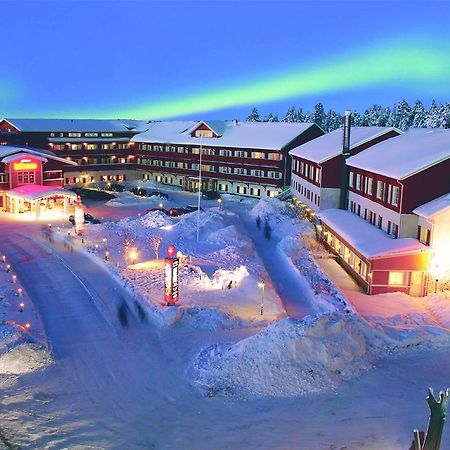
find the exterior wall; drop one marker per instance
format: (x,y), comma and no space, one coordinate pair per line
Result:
(6,127)
(332,173)
(13,174)
(306,192)
(425,186)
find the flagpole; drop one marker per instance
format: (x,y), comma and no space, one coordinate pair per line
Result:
(199,189)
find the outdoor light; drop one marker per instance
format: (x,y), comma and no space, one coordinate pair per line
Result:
(160,205)
(96,246)
(106,256)
(104,240)
(8,267)
(132,254)
(3,258)
(21,307)
(261,285)
(19,292)
(14,278)
(27,326)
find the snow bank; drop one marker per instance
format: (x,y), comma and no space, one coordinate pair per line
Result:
(295,357)
(24,358)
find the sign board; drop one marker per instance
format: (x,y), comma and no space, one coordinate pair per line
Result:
(25,164)
(171,269)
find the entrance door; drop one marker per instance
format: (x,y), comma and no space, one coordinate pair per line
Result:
(416,284)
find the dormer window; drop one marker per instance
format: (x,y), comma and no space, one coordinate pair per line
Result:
(203,133)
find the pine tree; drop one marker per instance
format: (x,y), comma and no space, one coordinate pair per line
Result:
(444,116)
(299,115)
(319,115)
(419,115)
(271,118)
(356,119)
(291,115)
(432,120)
(375,116)
(404,115)
(333,120)
(254,116)
(393,119)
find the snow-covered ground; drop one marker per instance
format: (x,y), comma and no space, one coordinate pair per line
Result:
(317,370)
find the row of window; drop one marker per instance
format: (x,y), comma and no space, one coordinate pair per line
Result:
(307,171)
(78,135)
(306,193)
(375,219)
(86,146)
(275,156)
(385,192)
(90,179)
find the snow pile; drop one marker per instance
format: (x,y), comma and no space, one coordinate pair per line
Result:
(440,307)
(24,358)
(125,198)
(9,336)
(295,357)
(199,318)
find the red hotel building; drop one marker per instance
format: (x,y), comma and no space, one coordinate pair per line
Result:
(376,238)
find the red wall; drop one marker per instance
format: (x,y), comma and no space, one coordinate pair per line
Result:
(4,126)
(13,174)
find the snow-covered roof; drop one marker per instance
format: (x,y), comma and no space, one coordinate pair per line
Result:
(35,191)
(7,150)
(368,240)
(258,135)
(21,155)
(329,145)
(433,208)
(78,125)
(405,155)
(88,139)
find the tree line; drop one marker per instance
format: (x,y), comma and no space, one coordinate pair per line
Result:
(401,115)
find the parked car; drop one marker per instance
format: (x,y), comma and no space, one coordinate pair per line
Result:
(139,192)
(88,218)
(191,208)
(165,211)
(154,192)
(115,187)
(211,195)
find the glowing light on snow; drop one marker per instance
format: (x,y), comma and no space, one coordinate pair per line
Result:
(388,63)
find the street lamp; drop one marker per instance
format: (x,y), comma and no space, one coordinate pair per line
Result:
(21,306)
(14,278)
(261,285)
(132,254)
(161,206)
(219,201)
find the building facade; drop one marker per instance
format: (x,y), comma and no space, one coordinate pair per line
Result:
(317,166)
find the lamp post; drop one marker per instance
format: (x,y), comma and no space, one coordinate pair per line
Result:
(219,201)
(261,285)
(199,188)
(132,254)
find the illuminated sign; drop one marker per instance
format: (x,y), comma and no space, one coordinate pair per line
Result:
(171,277)
(25,164)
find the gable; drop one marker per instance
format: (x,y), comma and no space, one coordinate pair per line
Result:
(203,130)
(7,127)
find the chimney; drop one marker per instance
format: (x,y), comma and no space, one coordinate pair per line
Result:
(235,122)
(343,198)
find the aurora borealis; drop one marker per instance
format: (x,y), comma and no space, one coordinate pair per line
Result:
(108,59)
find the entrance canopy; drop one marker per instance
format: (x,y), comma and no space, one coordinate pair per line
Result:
(36,192)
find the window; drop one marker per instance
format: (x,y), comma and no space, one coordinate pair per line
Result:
(255,192)
(397,279)
(91,146)
(424,235)
(258,155)
(3,178)
(91,134)
(180,150)
(380,222)
(257,173)
(358,181)
(395,192)
(223,187)
(240,171)
(240,154)
(26,177)
(311,172)
(241,190)
(272,174)
(224,169)
(203,133)
(74,135)
(275,156)
(225,153)
(106,134)
(302,167)
(317,174)
(380,190)
(350,179)
(393,230)
(369,186)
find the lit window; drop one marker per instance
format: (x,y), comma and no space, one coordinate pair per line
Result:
(397,279)
(395,192)
(350,179)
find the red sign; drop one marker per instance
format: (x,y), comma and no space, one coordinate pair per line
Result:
(171,251)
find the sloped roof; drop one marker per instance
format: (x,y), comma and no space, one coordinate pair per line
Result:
(35,191)
(78,125)
(434,208)
(367,239)
(257,135)
(405,155)
(329,145)
(7,150)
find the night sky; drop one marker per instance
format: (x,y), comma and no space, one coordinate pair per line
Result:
(218,59)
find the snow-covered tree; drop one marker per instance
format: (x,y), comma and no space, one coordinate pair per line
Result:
(299,115)
(254,116)
(271,118)
(333,120)
(291,115)
(444,115)
(308,117)
(432,120)
(419,115)
(356,119)
(319,115)
(375,116)
(404,115)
